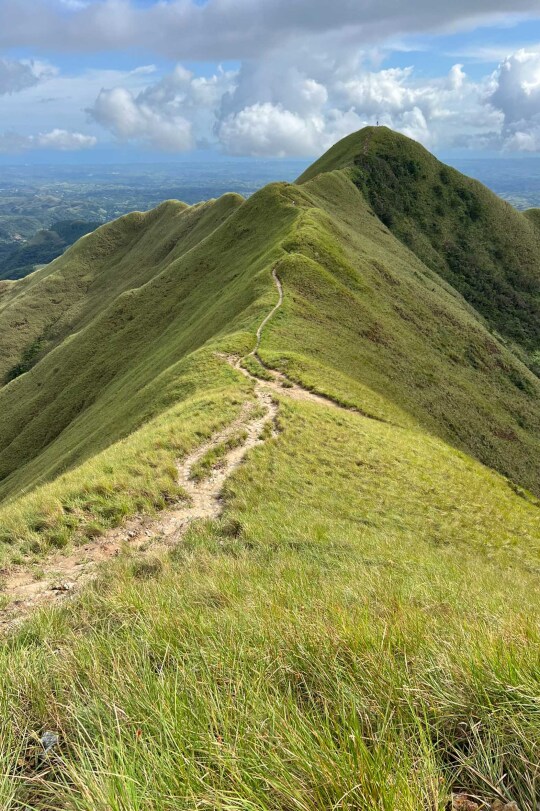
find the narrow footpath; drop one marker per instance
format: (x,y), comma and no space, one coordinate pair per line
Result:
(62,575)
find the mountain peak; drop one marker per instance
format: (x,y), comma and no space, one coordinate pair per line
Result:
(353,147)
(478,243)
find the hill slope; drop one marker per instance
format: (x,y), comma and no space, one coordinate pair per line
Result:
(483,247)
(361,437)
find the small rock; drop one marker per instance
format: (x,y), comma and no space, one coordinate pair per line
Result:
(63,586)
(49,740)
(462,802)
(499,805)
(131,534)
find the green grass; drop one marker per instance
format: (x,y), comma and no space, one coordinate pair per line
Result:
(477,242)
(255,368)
(214,456)
(355,632)
(135,475)
(126,362)
(119,318)
(359,629)
(366,323)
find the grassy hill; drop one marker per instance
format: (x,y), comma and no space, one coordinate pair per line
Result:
(477,242)
(358,627)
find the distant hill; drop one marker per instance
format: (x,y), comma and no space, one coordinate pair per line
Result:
(42,248)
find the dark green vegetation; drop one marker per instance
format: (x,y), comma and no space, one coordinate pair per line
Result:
(360,627)
(42,248)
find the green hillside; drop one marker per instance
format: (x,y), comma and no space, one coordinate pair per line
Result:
(477,242)
(100,331)
(348,616)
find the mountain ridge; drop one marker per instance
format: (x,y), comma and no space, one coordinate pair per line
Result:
(323,230)
(269,535)
(447,219)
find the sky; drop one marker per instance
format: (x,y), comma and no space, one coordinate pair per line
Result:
(140,80)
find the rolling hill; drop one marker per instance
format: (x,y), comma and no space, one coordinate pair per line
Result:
(301,432)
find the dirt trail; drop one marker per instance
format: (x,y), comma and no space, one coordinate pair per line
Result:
(61,575)
(271,313)
(280,383)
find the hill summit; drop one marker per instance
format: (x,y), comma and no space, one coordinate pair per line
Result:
(301,435)
(477,242)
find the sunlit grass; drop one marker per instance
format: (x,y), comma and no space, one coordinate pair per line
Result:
(354,632)
(136,475)
(214,456)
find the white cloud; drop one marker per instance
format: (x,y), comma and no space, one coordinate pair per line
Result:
(268,129)
(60,102)
(290,102)
(516,94)
(277,108)
(166,115)
(457,77)
(57,139)
(129,118)
(382,92)
(274,107)
(63,140)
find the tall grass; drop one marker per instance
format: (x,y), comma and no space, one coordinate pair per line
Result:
(326,644)
(138,474)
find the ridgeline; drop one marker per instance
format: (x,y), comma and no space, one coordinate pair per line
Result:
(269,489)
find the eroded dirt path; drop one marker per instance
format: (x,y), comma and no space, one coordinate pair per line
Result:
(265,321)
(59,576)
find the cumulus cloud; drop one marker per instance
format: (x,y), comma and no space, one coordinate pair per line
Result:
(229,29)
(278,109)
(304,81)
(17,75)
(516,94)
(63,140)
(166,114)
(127,117)
(274,107)
(292,102)
(56,139)
(270,130)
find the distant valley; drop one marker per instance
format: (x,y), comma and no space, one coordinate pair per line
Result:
(44,209)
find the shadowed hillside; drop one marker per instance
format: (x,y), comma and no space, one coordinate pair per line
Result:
(42,248)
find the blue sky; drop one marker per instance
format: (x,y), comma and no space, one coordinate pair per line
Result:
(136,80)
